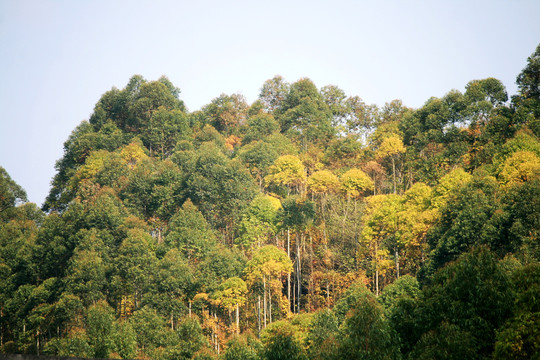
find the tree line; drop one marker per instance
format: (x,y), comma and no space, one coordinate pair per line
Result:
(306,225)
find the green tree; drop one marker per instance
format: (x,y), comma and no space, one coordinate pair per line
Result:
(226,112)
(518,337)
(305,115)
(465,222)
(322,339)
(280,343)
(528,80)
(124,340)
(150,97)
(174,286)
(164,130)
(189,232)
(335,99)
(243,347)
(99,328)
(404,287)
(221,188)
(258,157)
(259,221)
(231,295)
(190,339)
(86,275)
(76,344)
(149,328)
(135,264)
(468,300)
(273,93)
(259,126)
(366,334)
(362,118)
(10,194)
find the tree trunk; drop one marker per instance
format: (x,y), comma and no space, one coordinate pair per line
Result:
(289,274)
(237,318)
(259,316)
(394,172)
(264,300)
(376,282)
(376,270)
(270,302)
(397,262)
(298,274)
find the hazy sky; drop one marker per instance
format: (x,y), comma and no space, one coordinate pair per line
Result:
(58,57)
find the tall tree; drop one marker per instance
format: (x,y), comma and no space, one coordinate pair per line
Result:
(305,115)
(273,93)
(391,148)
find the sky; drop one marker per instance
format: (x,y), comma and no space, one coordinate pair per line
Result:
(58,57)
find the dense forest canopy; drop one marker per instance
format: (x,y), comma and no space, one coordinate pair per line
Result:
(306,225)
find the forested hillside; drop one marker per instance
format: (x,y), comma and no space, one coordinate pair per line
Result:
(306,225)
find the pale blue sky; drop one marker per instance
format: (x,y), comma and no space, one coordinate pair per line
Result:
(58,57)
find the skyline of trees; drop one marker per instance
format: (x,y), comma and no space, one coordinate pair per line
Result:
(307,224)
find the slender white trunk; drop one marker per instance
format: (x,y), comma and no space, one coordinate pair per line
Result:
(298,275)
(289,274)
(270,303)
(397,262)
(237,318)
(264,300)
(259,316)
(394,172)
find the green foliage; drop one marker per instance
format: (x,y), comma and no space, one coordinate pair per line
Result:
(149,328)
(406,287)
(518,337)
(260,126)
(99,327)
(157,237)
(189,232)
(305,115)
(366,334)
(225,113)
(353,295)
(243,347)
(323,337)
(448,341)
(474,294)
(259,221)
(190,339)
(273,93)
(220,187)
(10,194)
(280,343)
(528,80)
(465,222)
(124,340)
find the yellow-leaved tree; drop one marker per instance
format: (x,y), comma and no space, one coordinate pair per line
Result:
(288,171)
(267,267)
(391,147)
